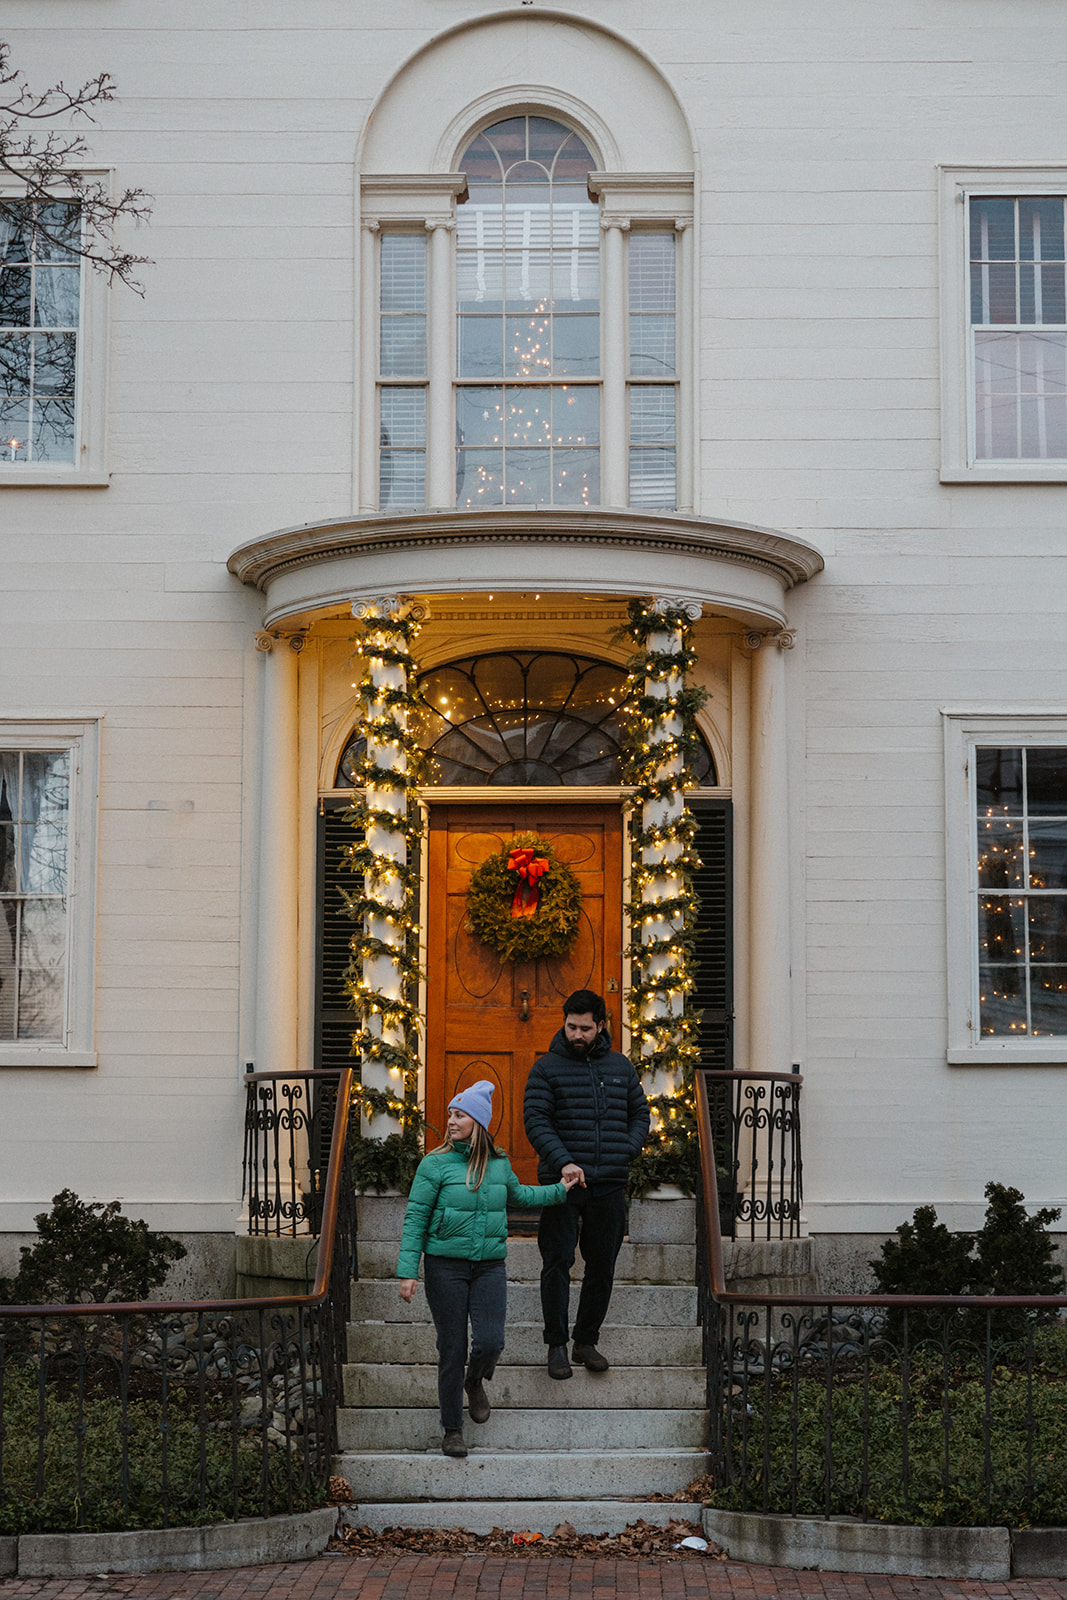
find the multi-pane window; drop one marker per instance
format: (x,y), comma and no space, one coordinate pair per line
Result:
(34,838)
(653,370)
(1018,327)
(1021,890)
(402,358)
(528,320)
(40,294)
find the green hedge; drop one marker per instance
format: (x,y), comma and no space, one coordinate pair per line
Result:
(154,1458)
(1026,1427)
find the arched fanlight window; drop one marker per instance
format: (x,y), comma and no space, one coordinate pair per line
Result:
(521,717)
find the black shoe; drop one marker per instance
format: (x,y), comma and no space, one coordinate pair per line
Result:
(477,1402)
(558,1365)
(452,1443)
(589,1357)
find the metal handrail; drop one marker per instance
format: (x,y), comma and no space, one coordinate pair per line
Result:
(762,1177)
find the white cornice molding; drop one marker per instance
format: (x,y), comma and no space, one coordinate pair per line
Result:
(261,561)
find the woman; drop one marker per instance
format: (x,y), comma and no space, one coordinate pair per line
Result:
(457,1217)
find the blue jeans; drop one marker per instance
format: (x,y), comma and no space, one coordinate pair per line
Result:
(458,1292)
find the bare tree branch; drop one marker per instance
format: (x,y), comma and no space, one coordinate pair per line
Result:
(46,165)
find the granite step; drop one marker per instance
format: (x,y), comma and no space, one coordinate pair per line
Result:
(596,1517)
(642,1388)
(637,1263)
(413,1342)
(527,1475)
(381,1428)
(632,1304)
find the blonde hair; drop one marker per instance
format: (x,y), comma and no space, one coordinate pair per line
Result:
(482,1151)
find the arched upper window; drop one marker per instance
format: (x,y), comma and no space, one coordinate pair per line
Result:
(520,717)
(528,319)
(528,350)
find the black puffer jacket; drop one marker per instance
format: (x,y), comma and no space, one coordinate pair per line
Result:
(587,1109)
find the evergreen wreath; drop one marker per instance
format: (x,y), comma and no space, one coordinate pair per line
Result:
(496,912)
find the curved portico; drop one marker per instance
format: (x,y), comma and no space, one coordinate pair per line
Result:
(736,576)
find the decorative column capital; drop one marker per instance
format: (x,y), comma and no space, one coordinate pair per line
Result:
(389,607)
(681,223)
(611,220)
(784,638)
(446,223)
(371,225)
(662,603)
(265,642)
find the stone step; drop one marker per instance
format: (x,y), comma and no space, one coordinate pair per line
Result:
(487,1474)
(380,1428)
(413,1342)
(640,1388)
(637,1263)
(520,1516)
(632,1304)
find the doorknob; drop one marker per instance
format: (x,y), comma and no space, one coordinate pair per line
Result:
(524,1005)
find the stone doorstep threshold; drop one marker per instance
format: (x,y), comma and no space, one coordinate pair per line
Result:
(587,1517)
(253,1541)
(844,1544)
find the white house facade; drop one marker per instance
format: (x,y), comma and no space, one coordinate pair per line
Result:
(504,317)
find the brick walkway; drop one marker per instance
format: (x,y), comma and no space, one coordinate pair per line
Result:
(418,1577)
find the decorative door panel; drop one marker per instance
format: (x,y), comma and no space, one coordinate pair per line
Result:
(491,1019)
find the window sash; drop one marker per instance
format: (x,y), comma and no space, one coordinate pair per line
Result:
(35,814)
(1018,327)
(1019,891)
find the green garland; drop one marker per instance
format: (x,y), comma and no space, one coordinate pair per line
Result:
(663,1043)
(386,638)
(552,929)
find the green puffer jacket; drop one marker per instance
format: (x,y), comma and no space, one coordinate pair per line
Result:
(445,1218)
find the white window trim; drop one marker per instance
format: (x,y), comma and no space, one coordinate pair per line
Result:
(964,729)
(957,185)
(81,735)
(89,468)
(627,200)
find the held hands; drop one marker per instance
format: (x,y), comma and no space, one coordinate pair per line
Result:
(407,1289)
(571,1175)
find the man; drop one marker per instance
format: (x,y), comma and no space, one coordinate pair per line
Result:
(585,1113)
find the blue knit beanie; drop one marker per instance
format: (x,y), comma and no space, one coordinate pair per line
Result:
(476,1102)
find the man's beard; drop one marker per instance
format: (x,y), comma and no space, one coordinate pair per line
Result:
(581,1047)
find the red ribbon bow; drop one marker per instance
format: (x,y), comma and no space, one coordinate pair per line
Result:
(531,869)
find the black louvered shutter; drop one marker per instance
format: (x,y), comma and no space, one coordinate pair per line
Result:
(713,992)
(334,1021)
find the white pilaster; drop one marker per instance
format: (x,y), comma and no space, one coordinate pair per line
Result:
(278,861)
(614,477)
(769,997)
(440,429)
(368,367)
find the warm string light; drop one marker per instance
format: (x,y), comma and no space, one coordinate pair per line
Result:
(662,742)
(384,969)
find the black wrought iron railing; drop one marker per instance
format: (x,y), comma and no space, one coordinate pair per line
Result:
(165,1413)
(288,1118)
(928,1409)
(755,1129)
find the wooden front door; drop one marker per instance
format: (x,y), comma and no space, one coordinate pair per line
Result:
(475,1027)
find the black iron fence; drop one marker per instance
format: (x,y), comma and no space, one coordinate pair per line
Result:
(178,1413)
(288,1119)
(926,1409)
(754,1118)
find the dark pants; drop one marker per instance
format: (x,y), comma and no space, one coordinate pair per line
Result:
(596,1225)
(459,1292)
